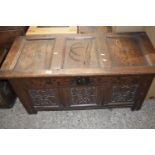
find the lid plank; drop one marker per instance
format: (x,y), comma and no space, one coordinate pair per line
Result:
(36,55)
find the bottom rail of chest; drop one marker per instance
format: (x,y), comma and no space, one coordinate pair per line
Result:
(110,107)
(38,94)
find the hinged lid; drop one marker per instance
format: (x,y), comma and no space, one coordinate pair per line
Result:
(74,55)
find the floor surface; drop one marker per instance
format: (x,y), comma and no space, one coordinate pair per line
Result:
(17,117)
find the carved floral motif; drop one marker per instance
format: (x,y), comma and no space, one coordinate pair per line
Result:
(43,97)
(124,93)
(83,95)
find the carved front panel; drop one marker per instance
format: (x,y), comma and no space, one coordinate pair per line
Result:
(43,97)
(83,95)
(124,93)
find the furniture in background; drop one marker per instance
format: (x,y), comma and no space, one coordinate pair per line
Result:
(7,36)
(80,71)
(125,29)
(47,30)
(43,30)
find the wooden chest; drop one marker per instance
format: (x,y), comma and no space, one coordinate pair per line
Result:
(62,72)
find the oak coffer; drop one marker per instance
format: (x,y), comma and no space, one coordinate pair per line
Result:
(82,71)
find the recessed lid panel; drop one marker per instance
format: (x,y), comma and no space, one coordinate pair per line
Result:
(125,51)
(35,55)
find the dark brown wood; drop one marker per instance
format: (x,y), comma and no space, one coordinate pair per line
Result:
(7,36)
(83,71)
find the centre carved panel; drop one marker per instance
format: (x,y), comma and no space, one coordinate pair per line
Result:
(80,53)
(43,97)
(83,95)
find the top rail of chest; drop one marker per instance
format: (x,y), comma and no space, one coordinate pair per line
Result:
(78,55)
